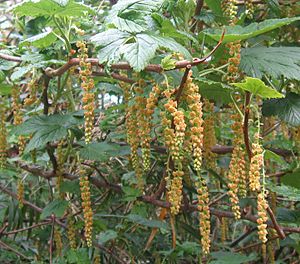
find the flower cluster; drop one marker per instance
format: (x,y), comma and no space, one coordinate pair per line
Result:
(204,215)
(58,242)
(133,135)
(18,117)
(256,165)
(87,84)
(233,72)
(175,192)
(249,8)
(60,163)
(3,138)
(230,8)
(20,193)
(71,232)
(32,88)
(86,206)
(193,97)
(262,206)
(209,136)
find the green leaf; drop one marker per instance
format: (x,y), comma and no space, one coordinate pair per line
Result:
(46,129)
(99,151)
(42,40)
(146,222)
(287,109)
(78,256)
(274,61)
(217,91)
(168,63)
(139,53)
(6,65)
(70,186)
(292,179)
(222,257)
(36,8)
(5,89)
(137,49)
(56,207)
(132,15)
(20,72)
(234,33)
(270,155)
(257,87)
(130,193)
(107,236)
(289,192)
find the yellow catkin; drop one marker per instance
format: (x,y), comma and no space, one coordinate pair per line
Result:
(237,167)
(18,117)
(271,253)
(60,164)
(58,242)
(32,88)
(151,103)
(174,134)
(209,136)
(249,8)
(224,227)
(193,100)
(175,192)
(255,165)
(204,215)
(3,138)
(20,193)
(233,73)
(133,136)
(87,84)
(97,259)
(262,206)
(230,8)
(86,206)
(71,233)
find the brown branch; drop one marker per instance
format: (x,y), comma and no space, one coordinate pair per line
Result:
(5,246)
(118,66)
(277,227)
(182,83)
(246,125)
(26,228)
(197,13)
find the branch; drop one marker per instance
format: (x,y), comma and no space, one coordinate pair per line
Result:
(5,246)
(197,13)
(246,125)
(277,227)
(118,66)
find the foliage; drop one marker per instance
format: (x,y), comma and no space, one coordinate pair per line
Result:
(137,131)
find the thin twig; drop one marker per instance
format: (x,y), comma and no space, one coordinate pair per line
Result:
(277,227)
(26,228)
(242,237)
(246,125)
(197,13)
(5,246)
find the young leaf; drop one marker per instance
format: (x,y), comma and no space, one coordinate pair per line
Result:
(56,207)
(42,40)
(257,87)
(132,15)
(36,8)
(274,61)
(289,192)
(99,151)
(234,33)
(287,109)
(168,63)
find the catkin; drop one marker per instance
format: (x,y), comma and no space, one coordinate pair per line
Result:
(86,206)
(87,84)
(3,138)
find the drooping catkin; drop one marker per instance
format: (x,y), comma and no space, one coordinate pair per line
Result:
(209,136)
(262,206)
(87,84)
(256,165)
(204,215)
(20,193)
(71,232)
(86,206)
(58,241)
(3,138)
(32,88)
(249,6)
(18,116)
